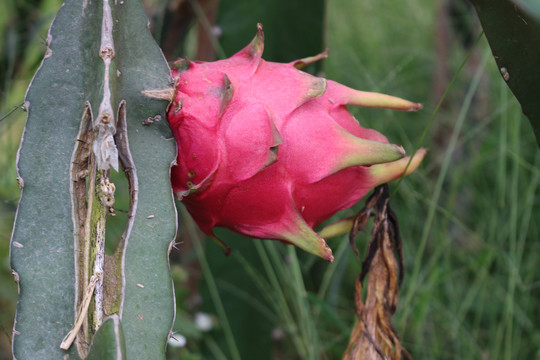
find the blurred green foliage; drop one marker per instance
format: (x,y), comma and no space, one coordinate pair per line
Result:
(467,214)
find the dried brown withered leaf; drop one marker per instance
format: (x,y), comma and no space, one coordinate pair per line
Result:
(374,336)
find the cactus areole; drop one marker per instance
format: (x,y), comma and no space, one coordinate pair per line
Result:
(269,151)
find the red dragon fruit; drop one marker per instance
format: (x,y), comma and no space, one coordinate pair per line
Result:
(271,152)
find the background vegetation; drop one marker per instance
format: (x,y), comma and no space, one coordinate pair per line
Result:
(467,216)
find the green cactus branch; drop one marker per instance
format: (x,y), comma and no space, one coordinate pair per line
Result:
(86,114)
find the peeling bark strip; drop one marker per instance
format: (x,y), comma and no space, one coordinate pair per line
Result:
(374,336)
(82,165)
(92,197)
(68,340)
(101,207)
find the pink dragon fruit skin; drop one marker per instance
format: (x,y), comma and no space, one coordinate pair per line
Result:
(271,152)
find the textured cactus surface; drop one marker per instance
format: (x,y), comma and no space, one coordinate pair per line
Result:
(87,96)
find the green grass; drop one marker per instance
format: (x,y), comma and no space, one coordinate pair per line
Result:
(467,215)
